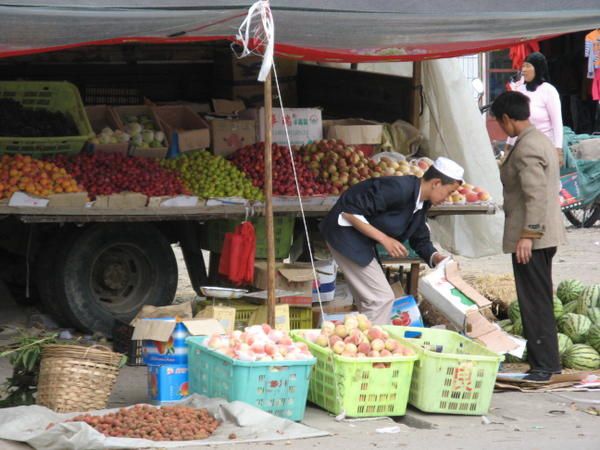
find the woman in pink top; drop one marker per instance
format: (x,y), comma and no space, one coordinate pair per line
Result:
(544,101)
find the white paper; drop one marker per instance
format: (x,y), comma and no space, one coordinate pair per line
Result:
(181,201)
(344,223)
(21,199)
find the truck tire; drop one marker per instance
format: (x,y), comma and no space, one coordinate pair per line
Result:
(45,275)
(109,271)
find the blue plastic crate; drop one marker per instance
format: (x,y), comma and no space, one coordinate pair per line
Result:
(279,388)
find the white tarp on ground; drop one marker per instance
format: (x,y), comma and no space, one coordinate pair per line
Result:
(28,424)
(455,129)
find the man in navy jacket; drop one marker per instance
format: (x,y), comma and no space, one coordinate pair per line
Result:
(388,211)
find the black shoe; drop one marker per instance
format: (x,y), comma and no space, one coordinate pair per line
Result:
(540,377)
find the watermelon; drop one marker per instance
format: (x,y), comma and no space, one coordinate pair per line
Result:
(593,337)
(576,326)
(558,307)
(569,290)
(517,328)
(564,342)
(594,315)
(589,298)
(569,307)
(514,311)
(506,325)
(581,357)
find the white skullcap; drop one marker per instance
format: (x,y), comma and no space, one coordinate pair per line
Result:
(449,168)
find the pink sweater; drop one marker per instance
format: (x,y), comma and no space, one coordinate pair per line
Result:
(546,114)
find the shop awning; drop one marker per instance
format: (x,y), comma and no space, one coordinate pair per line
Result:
(334,30)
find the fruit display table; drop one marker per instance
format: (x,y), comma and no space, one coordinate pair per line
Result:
(83,215)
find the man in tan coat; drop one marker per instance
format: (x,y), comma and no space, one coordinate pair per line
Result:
(533,228)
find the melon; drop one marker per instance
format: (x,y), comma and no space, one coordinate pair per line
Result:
(564,342)
(569,290)
(589,298)
(514,311)
(576,326)
(517,328)
(593,337)
(506,325)
(581,357)
(594,315)
(569,307)
(557,307)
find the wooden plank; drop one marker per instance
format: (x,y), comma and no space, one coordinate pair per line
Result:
(199,213)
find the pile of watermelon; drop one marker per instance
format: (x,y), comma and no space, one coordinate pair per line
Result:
(577,313)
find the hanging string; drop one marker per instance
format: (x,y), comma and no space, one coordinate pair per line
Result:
(256,35)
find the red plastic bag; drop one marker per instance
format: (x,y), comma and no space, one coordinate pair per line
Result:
(237,256)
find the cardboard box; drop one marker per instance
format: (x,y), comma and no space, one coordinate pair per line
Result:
(253,93)
(198,108)
(282,316)
(288,277)
(68,200)
(100,117)
(228,135)
(227,108)
(164,338)
(225,315)
(228,67)
(121,114)
(354,131)
(460,303)
(304,124)
(124,200)
(192,130)
(167,383)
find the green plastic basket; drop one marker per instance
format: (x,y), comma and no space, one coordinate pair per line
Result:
(52,95)
(454,375)
(300,317)
(279,388)
(283,231)
(356,388)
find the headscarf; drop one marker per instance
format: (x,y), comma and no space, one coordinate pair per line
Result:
(538,61)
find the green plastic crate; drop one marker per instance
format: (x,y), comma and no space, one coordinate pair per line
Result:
(279,388)
(356,388)
(457,380)
(52,95)
(300,318)
(283,231)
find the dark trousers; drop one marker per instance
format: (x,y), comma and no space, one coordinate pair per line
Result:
(534,291)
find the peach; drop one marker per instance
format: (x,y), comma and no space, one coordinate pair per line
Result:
(391,344)
(350,323)
(351,348)
(377,345)
(333,339)
(285,340)
(328,328)
(322,340)
(339,347)
(472,197)
(484,196)
(266,328)
(374,333)
(385,352)
(341,331)
(373,354)
(364,347)
(361,355)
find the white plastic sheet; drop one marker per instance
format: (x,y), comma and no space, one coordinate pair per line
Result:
(28,424)
(455,129)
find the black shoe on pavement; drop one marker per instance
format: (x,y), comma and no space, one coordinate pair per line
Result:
(539,377)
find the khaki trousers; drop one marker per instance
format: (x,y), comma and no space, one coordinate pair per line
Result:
(372,293)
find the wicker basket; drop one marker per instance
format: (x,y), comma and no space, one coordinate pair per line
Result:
(76,378)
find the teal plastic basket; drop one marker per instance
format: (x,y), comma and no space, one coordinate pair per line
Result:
(279,388)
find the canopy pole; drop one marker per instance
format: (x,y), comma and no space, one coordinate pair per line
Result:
(415,104)
(271,301)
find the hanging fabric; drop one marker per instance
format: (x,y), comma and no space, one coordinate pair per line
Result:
(519,52)
(238,253)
